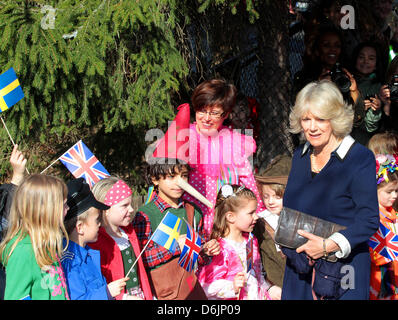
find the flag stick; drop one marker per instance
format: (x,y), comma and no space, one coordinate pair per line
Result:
(2,120)
(245,271)
(136,260)
(49,166)
(142,251)
(238,295)
(203,241)
(13,143)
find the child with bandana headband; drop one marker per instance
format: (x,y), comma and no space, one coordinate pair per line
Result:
(383,248)
(117,240)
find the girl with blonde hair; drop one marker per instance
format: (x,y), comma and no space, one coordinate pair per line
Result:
(32,246)
(117,240)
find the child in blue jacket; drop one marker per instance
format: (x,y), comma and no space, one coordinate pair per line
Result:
(81,264)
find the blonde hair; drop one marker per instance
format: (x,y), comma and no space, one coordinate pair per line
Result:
(224,205)
(279,189)
(37,210)
(384,143)
(70,224)
(102,187)
(325,101)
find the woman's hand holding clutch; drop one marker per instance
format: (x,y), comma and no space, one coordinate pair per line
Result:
(316,247)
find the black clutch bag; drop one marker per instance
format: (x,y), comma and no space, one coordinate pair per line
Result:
(292,220)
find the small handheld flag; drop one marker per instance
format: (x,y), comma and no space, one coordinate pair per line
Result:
(165,235)
(385,242)
(81,162)
(249,253)
(10,93)
(168,231)
(10,90)
(191,250)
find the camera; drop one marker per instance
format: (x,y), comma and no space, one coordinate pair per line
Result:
(302,6)
(306,6)
(393,86)
(339,77)
(369,96)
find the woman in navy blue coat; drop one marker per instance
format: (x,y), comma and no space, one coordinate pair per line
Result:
(333,178)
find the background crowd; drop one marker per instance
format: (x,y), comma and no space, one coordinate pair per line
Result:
(357,58)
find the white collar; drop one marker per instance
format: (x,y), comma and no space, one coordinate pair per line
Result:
(270,217)
(342,149)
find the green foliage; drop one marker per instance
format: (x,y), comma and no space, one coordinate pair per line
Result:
(233,5)
(105,71)
(105,67)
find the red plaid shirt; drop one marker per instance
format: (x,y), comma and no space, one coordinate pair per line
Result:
(154,254)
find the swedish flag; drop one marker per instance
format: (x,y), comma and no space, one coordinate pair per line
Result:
(167,232)
(10,90)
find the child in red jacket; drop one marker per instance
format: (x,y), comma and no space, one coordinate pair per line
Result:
(117,240)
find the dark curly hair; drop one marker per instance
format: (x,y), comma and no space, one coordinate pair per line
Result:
(161,170)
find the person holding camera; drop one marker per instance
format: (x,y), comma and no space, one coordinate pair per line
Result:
(322,61)
(323,51)
(389,96)
(367,66)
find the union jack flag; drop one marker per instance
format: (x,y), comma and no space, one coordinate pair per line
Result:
(190,251)
(385,242)
(249,253)
(81,162)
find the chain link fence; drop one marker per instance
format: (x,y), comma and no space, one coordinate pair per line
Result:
(261,68)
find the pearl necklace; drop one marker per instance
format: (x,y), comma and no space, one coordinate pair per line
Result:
(314,167)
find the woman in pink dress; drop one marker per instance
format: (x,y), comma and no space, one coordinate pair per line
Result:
(217,154)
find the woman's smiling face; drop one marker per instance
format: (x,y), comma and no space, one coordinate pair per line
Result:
(210,119)
(329,49)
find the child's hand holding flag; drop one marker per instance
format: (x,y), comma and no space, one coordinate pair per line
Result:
(211,248)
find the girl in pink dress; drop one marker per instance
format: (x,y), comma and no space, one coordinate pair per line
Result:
(228,276)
